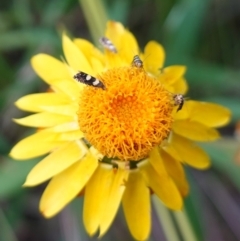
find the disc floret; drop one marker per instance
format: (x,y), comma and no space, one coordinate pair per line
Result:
(130,117)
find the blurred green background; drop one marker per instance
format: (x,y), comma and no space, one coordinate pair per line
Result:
(204,35)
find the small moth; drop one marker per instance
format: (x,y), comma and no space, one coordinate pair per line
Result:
(178,100)
(107,44)
(88,80)
(137,62)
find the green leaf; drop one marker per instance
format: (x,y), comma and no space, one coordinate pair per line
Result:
(53,11)
(119,10)
(21,11)
(13,174)
(194,208)
(222,154)
(183,24)
(26,37)
(7,233)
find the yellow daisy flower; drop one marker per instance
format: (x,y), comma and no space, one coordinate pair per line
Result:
(115,127)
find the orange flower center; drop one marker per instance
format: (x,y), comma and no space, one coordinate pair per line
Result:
(127,119)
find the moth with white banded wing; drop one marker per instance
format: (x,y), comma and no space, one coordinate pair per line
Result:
(89,80)
(107,44)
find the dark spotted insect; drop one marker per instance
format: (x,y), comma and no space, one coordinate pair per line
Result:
(107,44)
(137,62)
(178,100)
(88,80)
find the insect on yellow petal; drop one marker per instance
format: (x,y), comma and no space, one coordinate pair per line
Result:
(124,41)
(114,32)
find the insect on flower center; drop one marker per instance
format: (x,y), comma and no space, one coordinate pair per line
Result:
(127,118)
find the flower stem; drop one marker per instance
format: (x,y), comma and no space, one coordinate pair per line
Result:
(7,232)
(166,220)
(96,17)
(184,226)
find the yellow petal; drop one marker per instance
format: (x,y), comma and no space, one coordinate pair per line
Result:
(157,162)
(165,164)
(116,190)
(98,66)
(69,126)
(154,57)
(114,32)
(176,171)
(195,130)
(162,185)
(75,57)
(43,119)
(66,185)
(49,69)
(123,40)
(96,153)
(183,114)
(95,197)
(179,87)
(89,50)
(69,87)
(209,114)
(71,135)
(70,109)
(189,152)
(116,60)
(128,46)
(35,145)
(172,152)
(35,102)
(56,162)
(172,74)
(136,206)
